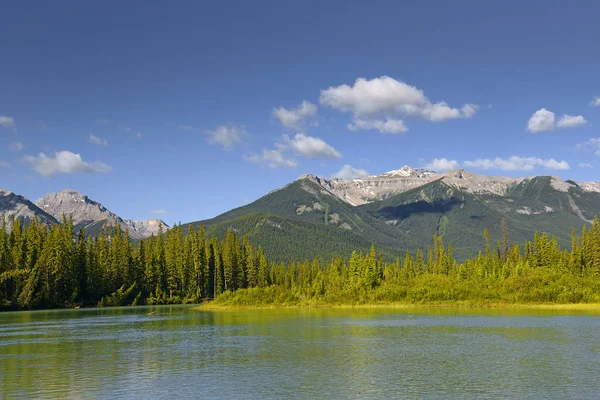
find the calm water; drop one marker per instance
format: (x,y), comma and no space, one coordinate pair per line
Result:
(178,352)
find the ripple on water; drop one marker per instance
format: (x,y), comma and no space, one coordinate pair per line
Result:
(179,352)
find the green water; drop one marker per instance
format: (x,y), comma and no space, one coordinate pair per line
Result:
(179,352)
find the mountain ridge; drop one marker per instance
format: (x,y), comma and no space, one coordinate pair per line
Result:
(86,213)
(13,205)
(397,210)
(359,191)
(91,215)
(407,207)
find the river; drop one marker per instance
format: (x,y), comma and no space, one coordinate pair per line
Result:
(182,352)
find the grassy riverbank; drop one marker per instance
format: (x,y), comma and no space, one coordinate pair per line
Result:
(539,289)
(593,307)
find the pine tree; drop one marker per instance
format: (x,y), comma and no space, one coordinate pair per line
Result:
(504,240)
(80,292)
(250,264)
(263,269)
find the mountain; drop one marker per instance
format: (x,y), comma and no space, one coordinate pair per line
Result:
(92,215)
(402,210)
(460,211)
(376,187)
(303,220)
(589,186)
(14,206)
(396,211)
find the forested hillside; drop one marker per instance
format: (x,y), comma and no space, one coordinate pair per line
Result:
(301,220)
(43,267)
(459,216)
(304,219)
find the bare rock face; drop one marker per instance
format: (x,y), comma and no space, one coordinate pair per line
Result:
(378,187)
(77,205)
(590,186)
(87,213)
(475,183)
(146,228)
(13,206)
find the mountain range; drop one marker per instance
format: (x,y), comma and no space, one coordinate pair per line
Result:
(86,213)
(402,209)
(396,211)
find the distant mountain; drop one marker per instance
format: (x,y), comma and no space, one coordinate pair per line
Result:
(396,211)
(379,187)
(13,206)
(303,220)
(589,186)
(376,187)
(402,210)
(91,215)
(459,213)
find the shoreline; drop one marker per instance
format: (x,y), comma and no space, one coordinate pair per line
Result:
(400,306)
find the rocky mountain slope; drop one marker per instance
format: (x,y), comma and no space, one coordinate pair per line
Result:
(91,215)
(589,186)
(379,187)
(397,211)
(402,210)
(542,204)
(376,187)
(303,220)
(13,206)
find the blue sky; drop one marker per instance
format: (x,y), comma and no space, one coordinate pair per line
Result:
(193,108)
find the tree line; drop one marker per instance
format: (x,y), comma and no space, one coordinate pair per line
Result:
(45,267)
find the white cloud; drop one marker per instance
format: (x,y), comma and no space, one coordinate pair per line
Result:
(516,163)
(15,146)
(596,101)
(348,172)
(273,159)
(7,122)
(226,136)
(4,164)
(388,97)
(387,125)
(569,121)
(586,165)
(293,118)
(469,110)
(593,144)
(300,144)
(97,141)
(158,211)
(64,162)
(544,120)
(309,146)
(553,164)
(442,164)
(541,120)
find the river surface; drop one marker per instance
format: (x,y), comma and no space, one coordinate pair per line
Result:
(180,352)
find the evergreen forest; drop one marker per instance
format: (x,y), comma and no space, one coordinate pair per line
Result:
(55,267)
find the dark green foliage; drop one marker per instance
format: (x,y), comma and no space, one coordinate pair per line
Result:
(54,267)
(460,216)
(44,267)
(302,220)
(543,273)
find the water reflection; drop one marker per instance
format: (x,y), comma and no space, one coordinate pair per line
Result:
(151,352)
